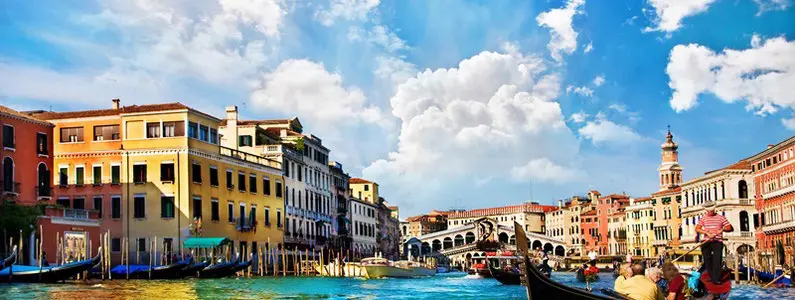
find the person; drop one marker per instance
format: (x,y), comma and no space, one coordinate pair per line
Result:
(592,256)
(44,262)
(712,226)
(629,259)
(655,275)
(634,284)
(676,282)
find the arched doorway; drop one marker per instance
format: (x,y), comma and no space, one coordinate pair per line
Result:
(44,181)
(8,174)
(742,189)
(503,238)
(436,245)
(744,224)
(548,247)
(470,238)
(448,243)
(536,245)
(560,251)
(459,240)
(744,248)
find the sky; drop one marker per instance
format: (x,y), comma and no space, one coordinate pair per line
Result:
(445,104)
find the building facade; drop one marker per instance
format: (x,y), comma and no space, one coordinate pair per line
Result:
(425,224)
(774,182)
(341,194)
(665,203)
(640,220)
(363,216)
(388,226)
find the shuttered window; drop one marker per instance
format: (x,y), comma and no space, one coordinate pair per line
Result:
(105,133)
(71,135)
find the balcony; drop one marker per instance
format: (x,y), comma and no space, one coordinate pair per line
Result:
(245,224)
(75,213)
(778,192)
(250,157)
(9,187)
(779,227)
(43,192)
(720,203)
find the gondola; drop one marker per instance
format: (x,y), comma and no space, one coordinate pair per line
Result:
(581,275)
(192,270)
(17,273)
(10,260)
(541,287)
(242,265)
(219,270)
(506,277)
(169,271)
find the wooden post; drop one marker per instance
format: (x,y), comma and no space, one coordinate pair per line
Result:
(737,268)
(126,254)
(137,252)
(284,261)
(151,246)
(20,253)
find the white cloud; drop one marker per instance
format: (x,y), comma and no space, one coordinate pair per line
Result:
(378,35)
(621,108)
(579,117)
(588,48)
(492,113)
(599,80)
(766,5)
(543,169)
(669,13)
(789,123)
(762,76)
(563,37)
(602,131)
(394,70)
(580,90)
(349,10)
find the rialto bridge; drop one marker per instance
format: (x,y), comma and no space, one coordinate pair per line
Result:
(462,243)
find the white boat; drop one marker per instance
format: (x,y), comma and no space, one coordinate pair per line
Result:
(377,267)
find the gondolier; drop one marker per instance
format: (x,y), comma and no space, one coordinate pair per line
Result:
(712,226)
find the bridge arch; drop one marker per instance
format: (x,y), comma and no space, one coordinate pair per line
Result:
(459,240)
(548,247)
(447,243)
(470,237)
(436,245)
(536,245)
(503,237)
(560,251)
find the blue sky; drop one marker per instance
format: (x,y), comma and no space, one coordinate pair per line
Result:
(444,103)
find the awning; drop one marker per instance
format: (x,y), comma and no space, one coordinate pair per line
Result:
(205,242)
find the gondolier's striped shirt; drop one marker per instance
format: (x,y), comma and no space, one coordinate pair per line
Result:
(714,224)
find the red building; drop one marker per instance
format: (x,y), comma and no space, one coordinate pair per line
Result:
(589,224)
(27,158)
(774,180)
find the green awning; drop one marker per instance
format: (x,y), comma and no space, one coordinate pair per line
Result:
(205,242)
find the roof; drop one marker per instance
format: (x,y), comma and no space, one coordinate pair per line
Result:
(392,207)
(110,112)
(276,131)
(642,199)
(614,196)
(8,111)
(358,181)
(740,165)
(675,190)
(257,122)
(772,149)
(589,213)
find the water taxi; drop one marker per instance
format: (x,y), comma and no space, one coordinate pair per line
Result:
(378,267)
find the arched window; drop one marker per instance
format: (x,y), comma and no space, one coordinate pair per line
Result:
(744,221)
(8,174)
(742,189)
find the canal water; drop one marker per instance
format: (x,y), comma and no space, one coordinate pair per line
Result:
(442,286)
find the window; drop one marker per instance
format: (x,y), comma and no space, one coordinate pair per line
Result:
(141,244)
(197,207)
(244,140)
(79,203)
(213,136)
(8,136)
(106,133)
(115,245)
(214,213)
(139,207)
(139,174)
(96,172)
(174,128)
(63,176)
(267,217)
(196,170)
(203,133)
(278,189)
(167,171)
(193,130)
(241,181)
(42,146)
(300,174)
(266,185)
(64,202)
(230,212)
(252,215)
(98,205)
(366,187)
(229,180)
(213,176)
(153,130)
(79,175)
(115,174)
(279,218)
(115,207)
(166,206)
(252,183)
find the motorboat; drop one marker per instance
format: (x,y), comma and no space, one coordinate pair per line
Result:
(378,267)
(19,273)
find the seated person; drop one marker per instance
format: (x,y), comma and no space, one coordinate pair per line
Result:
(637,286)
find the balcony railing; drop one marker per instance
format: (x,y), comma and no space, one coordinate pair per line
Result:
(75,213)
(9,187)
(43,191)
(245,224)
(786,225)
(250,157)
(275,150)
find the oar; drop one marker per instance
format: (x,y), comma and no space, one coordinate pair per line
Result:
(774,280)
(691,250)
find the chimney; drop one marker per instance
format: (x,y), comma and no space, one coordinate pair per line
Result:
(116,103)
(229,133)
(560,203)
(231,113)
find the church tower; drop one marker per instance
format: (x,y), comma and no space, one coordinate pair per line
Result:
(670,170)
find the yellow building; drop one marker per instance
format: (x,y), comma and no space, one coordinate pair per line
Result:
(364,190)
(640,228)
(177,182)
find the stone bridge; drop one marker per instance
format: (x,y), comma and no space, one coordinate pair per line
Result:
(461,243)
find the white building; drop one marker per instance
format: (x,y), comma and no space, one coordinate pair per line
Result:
(363,216)
(732,190)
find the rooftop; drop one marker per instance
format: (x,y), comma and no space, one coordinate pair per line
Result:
(14,113)
(48,115)
(503,210)
(359,181)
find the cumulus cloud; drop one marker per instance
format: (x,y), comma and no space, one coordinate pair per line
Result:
(543,169)
(580,90)
(563,37)
(603,131)
(761,76)
(579,117)
(349,10)
(394,70)
(669,13)
(378,35)
(599,81)
(493,112)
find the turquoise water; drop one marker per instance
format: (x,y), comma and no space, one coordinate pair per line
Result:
(443,286)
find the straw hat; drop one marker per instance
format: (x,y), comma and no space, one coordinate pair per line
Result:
(709,205)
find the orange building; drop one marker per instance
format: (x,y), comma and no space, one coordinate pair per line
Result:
(774,183)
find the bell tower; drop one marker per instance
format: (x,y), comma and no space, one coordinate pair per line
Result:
(670,170)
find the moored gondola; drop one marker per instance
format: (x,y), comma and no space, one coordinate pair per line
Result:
(242,265)
(17,273)
(192,270)
(169,271)
(10,260)
(219,270)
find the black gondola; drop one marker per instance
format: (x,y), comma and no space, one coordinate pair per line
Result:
(506,277)
(16,273)
(242,265)
(193,269)
(10,260)
(541,287)
(169,271)
(220,269)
